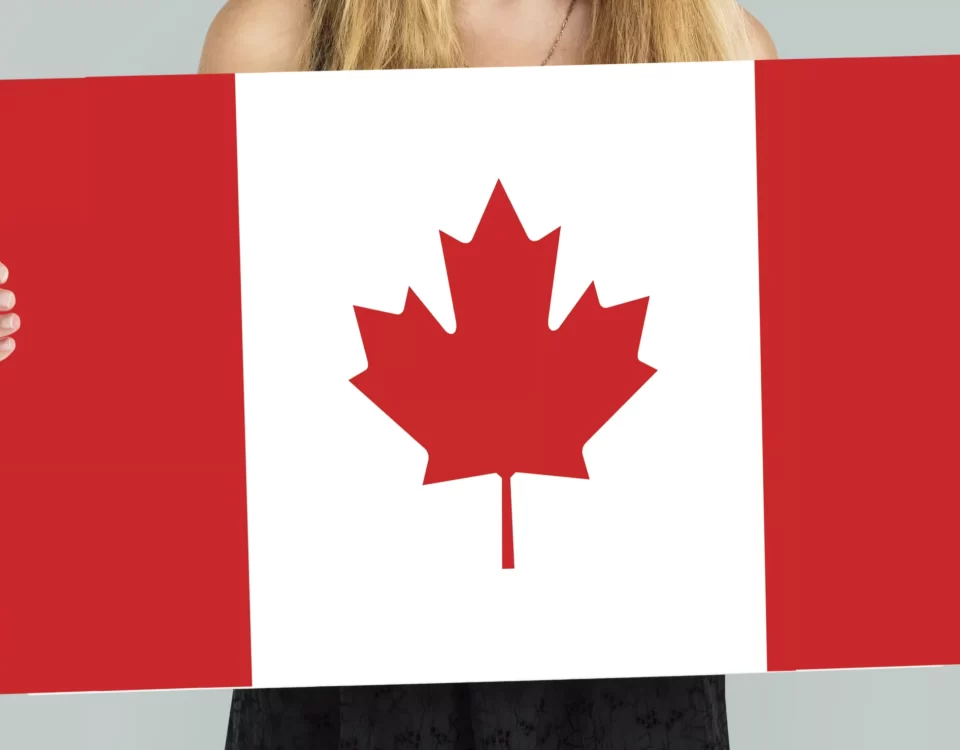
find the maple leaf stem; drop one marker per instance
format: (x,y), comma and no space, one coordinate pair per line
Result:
(507,521)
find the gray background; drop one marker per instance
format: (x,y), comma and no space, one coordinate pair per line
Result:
(915,709)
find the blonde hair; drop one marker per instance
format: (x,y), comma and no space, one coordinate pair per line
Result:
(378,34)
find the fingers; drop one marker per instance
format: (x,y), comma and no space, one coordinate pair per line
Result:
(8,325)
(6,348)
(9,322)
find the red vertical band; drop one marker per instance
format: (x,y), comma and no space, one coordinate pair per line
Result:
(859,188)
(122,490)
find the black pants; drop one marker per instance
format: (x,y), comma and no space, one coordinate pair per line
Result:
(678,713)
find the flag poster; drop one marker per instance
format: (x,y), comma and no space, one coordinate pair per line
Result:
(480,375)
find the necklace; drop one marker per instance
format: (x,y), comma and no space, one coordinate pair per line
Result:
(556,41)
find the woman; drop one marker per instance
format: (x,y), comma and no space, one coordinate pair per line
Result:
(687,713)
(287,35)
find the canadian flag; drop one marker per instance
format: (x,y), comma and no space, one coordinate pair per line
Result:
(442,376)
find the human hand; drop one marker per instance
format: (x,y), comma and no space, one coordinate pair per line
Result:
(9,322)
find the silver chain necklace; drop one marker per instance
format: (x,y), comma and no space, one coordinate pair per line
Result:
(556,41)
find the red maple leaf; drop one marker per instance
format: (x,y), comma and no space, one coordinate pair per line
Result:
(503,394)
